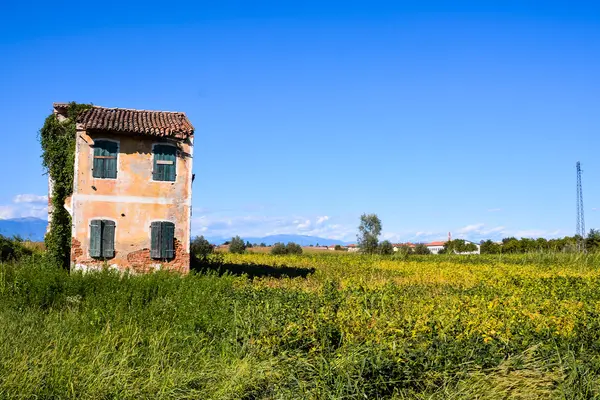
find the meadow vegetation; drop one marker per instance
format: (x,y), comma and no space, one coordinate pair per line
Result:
(312,326)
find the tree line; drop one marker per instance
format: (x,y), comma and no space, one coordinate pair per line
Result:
(590,243)
(369,231)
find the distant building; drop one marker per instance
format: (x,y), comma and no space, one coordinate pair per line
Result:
(398,246)
(435,247)
(353,248)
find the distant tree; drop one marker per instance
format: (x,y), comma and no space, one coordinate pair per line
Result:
(386,248)
(337,247)
(422,249)
(592,241)
(369,231)
(541,244)
(293,248)
(201,248)
(404,249)
(226,242)
(237,245)
(278,249)
(459,246)
(263,244)
(511,245)
(489,247)
(248,245)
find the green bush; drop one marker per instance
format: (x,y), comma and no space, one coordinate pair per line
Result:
(290,248)
(422,249)
(12,249)
(293,248)
(386,248)
(237,245)
(278,249)
(201,248)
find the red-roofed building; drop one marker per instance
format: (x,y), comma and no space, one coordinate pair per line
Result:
(435,247)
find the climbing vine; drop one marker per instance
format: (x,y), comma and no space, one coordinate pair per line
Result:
(57,139)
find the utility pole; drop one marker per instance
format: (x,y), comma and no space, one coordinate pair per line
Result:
(580,229)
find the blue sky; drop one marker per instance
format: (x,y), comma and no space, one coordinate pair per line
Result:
(437,116)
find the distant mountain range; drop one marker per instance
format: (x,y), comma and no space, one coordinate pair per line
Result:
(30,228)
(34,229)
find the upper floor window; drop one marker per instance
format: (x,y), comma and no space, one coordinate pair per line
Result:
(162,240)
(102,238)
(164,163)
(105,159)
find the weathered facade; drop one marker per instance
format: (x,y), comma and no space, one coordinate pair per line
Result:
(131,203)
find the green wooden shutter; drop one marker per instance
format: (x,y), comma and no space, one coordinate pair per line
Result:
(168,240)
(156,172)
(108,239)
(155,240)
(110,164)
(105,159)
(164,163)
(98,168)
(95,237)
(170,168)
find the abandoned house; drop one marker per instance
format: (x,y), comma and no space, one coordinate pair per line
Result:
(131,203)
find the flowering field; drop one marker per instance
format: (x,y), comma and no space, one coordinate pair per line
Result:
(316,326)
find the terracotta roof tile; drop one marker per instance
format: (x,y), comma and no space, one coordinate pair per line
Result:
(157,123)
(435,244)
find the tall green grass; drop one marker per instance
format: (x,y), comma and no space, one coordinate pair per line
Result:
(358,327)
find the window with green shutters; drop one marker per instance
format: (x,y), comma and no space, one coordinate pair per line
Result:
(162,240)
(105,159)
(164,163)
(102,238)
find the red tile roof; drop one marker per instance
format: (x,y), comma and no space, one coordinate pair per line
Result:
(157,123)
(408,244)
(435,244)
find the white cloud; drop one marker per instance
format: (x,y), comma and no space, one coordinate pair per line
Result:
(7,212)
(304,225)
(259,225)
(213,225)
(25,205)
(322,219)
(29,198)
(22,210)
(424,234)
(470,228)
(536,233)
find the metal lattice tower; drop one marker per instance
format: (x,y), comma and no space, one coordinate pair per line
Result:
(580,219)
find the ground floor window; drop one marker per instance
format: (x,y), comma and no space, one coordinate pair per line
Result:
(102,238)
(162,235)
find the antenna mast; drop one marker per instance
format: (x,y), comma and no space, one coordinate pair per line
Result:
(580,230)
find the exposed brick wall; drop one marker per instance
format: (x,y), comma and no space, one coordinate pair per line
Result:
(137,261)
(76,250)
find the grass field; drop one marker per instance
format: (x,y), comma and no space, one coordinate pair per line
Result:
(316,326)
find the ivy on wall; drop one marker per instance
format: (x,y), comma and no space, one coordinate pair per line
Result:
(58,157)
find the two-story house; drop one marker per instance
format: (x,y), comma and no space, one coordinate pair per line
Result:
(131,203)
